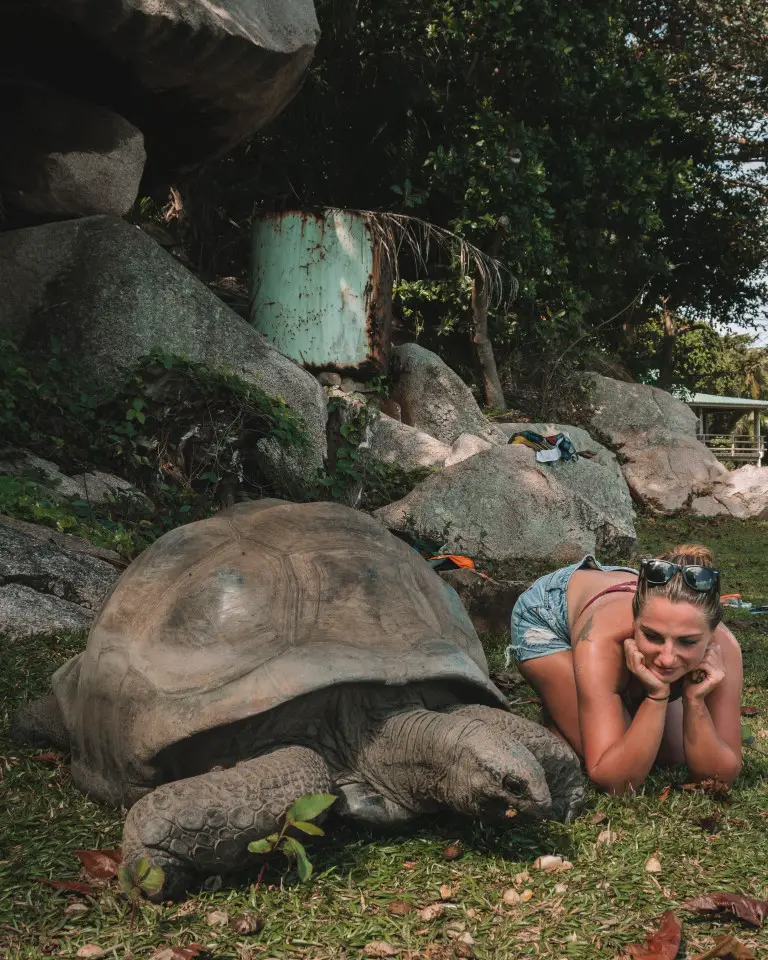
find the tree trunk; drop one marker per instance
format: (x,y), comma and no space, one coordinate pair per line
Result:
(666,354)
(489,375)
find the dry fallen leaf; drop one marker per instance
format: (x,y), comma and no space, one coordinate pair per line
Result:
(73,886)
(662,945)
(453,851)
(511,897)
(461,949)
(653,865)
(90,952)
(665,792)
(100,864)
(746,908)
(217,918)
(552,864)
(409,864)
(526,895)
(713,787)
(77,907)
(399,908)
(521,878)
(561,888)
(749,711)
(605,837)
(446,892)
(727,947)
(432,911)
(598,817)
(189,952)
(246,924)
(380,948)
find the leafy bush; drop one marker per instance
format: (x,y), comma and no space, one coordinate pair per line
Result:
(189,437)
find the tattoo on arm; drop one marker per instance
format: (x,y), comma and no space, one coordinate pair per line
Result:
(584,632)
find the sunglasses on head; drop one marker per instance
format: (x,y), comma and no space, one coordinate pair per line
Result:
(658,572)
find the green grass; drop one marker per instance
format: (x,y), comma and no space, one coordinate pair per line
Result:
(608,899)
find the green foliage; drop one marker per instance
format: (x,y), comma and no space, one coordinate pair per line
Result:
(36,502)
(297,817)
(703,360)
(142,879)
(609,138)
(353,476)
(185,435)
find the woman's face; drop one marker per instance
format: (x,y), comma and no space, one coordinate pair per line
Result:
(672,637)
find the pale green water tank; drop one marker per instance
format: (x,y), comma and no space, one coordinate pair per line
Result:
(320,289)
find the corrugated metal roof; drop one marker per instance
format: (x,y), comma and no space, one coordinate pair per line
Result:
(712,400)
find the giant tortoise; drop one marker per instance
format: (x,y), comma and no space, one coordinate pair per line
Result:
(276,650)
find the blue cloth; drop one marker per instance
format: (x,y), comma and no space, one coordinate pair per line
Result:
(540,616)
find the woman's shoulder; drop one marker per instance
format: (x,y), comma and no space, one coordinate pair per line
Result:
(610,615)
(727,641)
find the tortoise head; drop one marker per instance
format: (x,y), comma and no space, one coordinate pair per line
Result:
(505,781)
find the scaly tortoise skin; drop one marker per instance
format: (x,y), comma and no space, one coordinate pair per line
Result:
(280,649)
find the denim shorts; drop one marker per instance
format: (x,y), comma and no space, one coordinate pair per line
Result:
(540,616)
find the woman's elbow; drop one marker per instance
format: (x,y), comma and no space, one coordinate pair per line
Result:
(609,784)
(727,773)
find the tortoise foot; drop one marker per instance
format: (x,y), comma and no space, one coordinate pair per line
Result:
(202,826)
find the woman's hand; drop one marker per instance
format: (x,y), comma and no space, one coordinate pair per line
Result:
(699,683)
(636,664)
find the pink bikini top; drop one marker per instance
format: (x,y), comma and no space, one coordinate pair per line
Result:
(626,586)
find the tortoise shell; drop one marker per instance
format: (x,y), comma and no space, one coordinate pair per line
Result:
(235,615)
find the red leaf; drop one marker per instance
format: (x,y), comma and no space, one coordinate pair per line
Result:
(47,758)
(662,945)
(72,885)
(665,792)
(727,947)
(749,711)
(100,864)
(453,851)
(746,908)
(713,787)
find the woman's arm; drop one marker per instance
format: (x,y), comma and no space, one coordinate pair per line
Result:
(712,714)
(619,751)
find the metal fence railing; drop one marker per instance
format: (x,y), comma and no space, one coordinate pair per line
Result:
(726,446)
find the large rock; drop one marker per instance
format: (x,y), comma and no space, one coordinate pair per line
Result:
(617,409)
(65,158)
(465,446)
(584,443)
(742,493)
(64,541)
(409,448)
(110,295)
(500,505)
(436,400)
(195,77)
(654,437)
(94,487)
(44,588)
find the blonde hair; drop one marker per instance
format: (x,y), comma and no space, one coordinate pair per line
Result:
(677,590)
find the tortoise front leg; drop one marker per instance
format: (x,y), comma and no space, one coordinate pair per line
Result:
(40,724)
(202,826)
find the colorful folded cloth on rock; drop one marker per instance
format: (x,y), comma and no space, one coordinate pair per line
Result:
(559,446)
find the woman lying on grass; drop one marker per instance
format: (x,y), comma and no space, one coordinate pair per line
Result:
(635,670)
